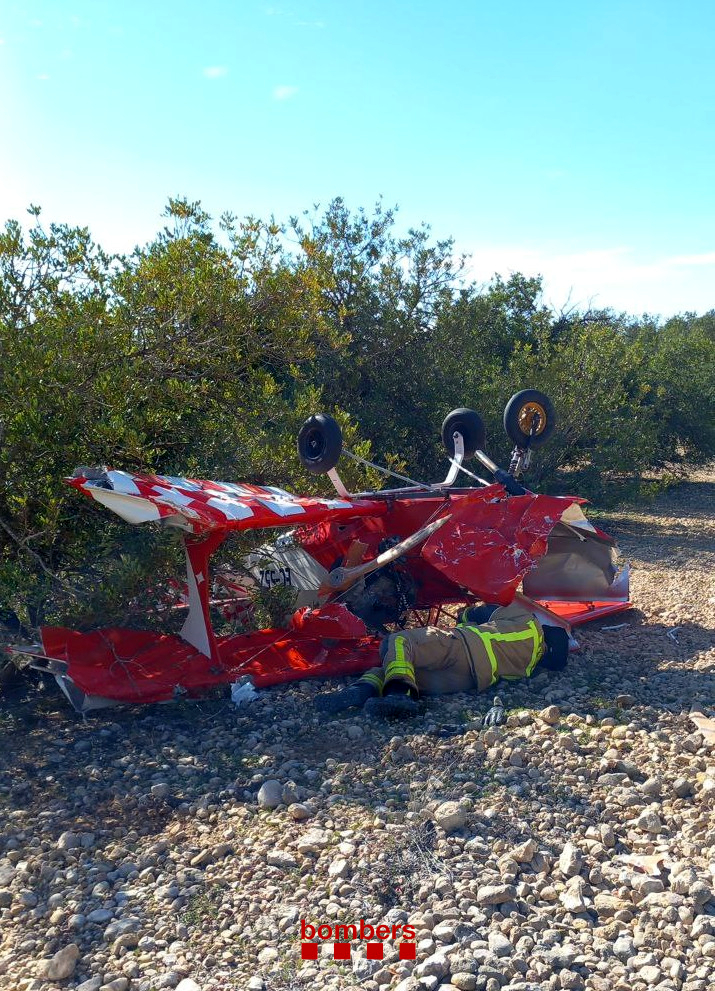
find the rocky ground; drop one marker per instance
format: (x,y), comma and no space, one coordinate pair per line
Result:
(573,848)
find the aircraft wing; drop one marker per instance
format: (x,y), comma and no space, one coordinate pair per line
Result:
(202,507)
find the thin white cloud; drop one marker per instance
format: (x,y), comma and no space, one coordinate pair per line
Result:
(43,77)
(617,277)
(707,258)
(215,71)
(284,92)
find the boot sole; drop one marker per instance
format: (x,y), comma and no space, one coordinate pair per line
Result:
(391,706)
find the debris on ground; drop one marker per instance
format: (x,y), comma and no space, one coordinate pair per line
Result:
(572,847)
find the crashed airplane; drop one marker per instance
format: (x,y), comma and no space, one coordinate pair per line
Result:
(359,564)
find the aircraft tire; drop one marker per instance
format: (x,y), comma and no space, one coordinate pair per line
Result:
(470,425)
(519,415)
(320,442)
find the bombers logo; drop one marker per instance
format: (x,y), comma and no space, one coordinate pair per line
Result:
(342,936)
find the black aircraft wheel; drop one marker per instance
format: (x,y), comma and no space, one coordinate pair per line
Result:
(470,425)
(529,418)
(320,442)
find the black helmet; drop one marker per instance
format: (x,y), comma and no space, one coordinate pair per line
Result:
(557,648)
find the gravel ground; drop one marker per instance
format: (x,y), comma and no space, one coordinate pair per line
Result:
(574,848)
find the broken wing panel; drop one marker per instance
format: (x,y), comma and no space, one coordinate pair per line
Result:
(132,666)
(576,566)
(488,548)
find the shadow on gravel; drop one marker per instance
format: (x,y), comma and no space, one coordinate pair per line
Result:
(661,518)
(96,773)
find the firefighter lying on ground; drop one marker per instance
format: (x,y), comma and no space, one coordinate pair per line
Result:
(489,642)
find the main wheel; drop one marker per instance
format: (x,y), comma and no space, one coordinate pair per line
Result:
(470,425)
(529,418)
(320,442)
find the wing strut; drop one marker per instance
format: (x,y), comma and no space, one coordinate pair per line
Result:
(197,629)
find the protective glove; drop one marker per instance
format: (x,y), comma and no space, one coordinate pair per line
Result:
(496,715)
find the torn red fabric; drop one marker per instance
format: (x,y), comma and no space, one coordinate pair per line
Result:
(132,666)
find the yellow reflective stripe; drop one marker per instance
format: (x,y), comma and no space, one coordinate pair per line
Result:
(538,650)
(531,632)
(370,678)
(400,669)
(487,639)
(395,669)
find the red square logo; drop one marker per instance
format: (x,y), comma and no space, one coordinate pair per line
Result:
(407,951)
(309,951)
(374,951)
(341,951)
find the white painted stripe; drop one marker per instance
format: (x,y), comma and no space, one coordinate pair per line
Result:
(122,482)
(131,508)
(282,508)
(173,496)
(181,483)
(231,509)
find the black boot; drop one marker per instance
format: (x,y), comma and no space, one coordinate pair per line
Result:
(398,699)
(347,698)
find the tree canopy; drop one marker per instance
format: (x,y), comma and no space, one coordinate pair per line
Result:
(202,352)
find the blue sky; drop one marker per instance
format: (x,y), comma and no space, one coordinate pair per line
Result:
(572,140)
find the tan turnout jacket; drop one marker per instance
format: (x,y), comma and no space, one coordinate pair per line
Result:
(439,662)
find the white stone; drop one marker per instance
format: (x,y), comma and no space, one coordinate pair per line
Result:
(570,861)
(495,894)
(450,816)
(550,715)
(499,944)
(435,966)
(61,965)
(649,822)
(572,897)
(339,868)
(525,852)
(68,841)
(282,859)
(270,795)
(313,841)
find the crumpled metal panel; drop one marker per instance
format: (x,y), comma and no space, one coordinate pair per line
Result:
(576,566)
(488,547)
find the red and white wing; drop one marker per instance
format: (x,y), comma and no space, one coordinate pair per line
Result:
(201,507)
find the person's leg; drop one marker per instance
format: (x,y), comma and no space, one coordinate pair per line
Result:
(397,652)
(399,690)
(409,658)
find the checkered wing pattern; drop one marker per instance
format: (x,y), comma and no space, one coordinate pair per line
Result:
(200,507)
